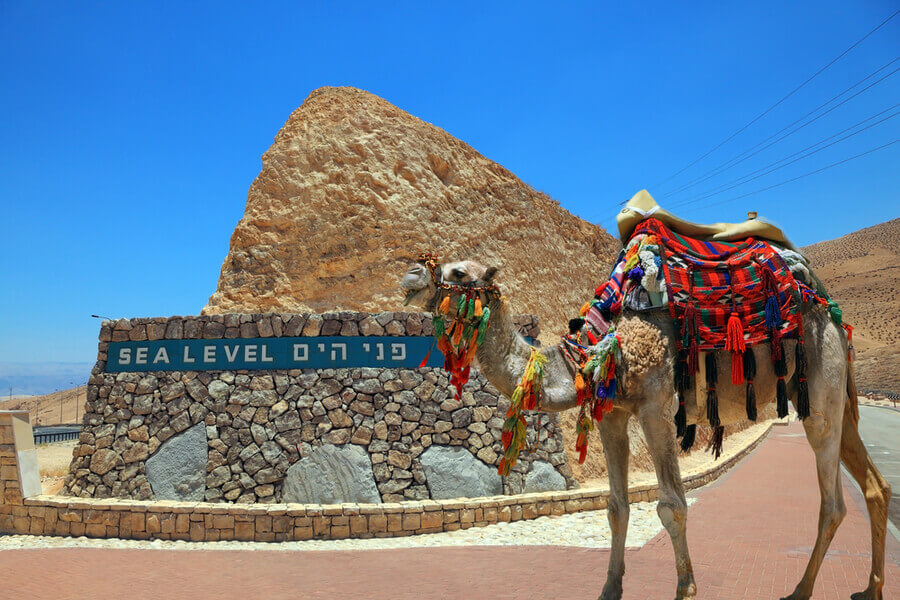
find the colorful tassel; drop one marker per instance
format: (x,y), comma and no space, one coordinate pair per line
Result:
(837,315)
(478,309)
(734,343)
(712,399)
(773,313)
(527,396)
(445,305)
(750,375)
(680,417)
(802,386)
(717,441)
(781,399)
(690,434)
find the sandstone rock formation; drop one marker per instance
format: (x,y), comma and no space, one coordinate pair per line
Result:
(354,187)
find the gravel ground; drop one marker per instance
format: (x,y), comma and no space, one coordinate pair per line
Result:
(584,530)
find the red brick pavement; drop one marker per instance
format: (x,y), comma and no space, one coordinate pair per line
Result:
(750,534)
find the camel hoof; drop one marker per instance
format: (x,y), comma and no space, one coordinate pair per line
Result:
(684,593)
(611,591)
(867,595)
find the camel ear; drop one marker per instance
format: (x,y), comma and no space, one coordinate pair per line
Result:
(489,274)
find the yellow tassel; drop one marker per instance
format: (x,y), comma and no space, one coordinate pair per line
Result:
(584,309)
(445,305)
(478,311)
(579,382)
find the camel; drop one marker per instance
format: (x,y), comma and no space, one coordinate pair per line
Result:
(648,348)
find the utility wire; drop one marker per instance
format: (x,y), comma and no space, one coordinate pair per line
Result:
(768,110)
(752,176)
(742,156)
(752,151)
(781,183)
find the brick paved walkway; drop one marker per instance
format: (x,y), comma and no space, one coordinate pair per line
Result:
(750,534)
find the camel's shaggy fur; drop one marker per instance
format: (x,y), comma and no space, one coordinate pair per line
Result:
(643,348)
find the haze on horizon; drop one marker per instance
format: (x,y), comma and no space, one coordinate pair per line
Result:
(133,134)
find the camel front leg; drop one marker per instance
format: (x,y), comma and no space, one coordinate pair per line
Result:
(659,432)
(614,435)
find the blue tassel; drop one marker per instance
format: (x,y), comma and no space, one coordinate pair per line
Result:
(611,392)
(773,313)
(636,274)
(601,391)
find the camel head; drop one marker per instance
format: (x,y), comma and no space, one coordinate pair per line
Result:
(423,278)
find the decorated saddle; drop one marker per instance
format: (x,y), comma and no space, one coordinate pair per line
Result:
(723,296)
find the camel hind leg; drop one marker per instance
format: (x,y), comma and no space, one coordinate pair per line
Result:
(824,435)
(877,493)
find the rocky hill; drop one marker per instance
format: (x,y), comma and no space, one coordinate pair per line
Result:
(353,188)
(862,272)
(62,407)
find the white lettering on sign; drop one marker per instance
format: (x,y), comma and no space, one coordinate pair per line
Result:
(379,354)
(265,356)
(162,356)
(140,357)
(339,347)
(398,351)
(124,356)
(301,352)
(209,354)
(250,353)
(187,355)
(231,353)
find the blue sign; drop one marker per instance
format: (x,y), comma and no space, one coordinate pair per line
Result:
(272,353)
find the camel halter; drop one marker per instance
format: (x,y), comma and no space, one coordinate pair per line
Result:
(459,328)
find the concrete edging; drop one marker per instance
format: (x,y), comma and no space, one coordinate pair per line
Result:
(204,521)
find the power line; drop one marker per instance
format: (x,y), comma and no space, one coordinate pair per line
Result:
(768,110)
(752,151)
(785,182)
(750,176)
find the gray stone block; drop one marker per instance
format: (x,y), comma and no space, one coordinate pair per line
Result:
(177,471)
(543,477)
(452,472)
(331,475)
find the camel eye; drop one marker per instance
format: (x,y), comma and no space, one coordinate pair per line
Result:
(459,273)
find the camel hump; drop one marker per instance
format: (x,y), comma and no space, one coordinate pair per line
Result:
(642,205)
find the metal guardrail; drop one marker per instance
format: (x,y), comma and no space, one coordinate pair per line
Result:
(49,435)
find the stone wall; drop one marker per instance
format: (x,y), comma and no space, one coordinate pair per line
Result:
(24,512)
(309,435)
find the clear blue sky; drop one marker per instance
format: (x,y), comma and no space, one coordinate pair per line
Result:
(130,134)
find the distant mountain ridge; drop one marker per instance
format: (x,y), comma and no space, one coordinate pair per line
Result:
(30,379)
(861,271)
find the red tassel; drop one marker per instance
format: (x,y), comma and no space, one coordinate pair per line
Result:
(693,362)
(616,307)
(734,342)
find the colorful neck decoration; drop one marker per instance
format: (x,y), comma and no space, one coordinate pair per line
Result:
(461,316)
(527,396)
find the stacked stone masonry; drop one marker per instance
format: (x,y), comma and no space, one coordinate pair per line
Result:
(206,521)
(253,433)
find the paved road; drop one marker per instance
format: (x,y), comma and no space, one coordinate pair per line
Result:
(880,431)
(750,536)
